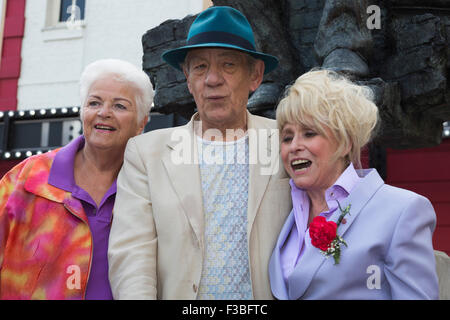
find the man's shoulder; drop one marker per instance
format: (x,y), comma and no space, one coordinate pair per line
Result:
(159,135)
(259,122)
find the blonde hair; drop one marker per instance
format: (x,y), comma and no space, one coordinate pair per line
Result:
(322,99)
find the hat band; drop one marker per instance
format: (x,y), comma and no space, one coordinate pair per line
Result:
(220,37)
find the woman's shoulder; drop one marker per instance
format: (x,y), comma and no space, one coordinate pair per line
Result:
(161,135)
(370,179)
(399,202)
(400,194)
(391,199)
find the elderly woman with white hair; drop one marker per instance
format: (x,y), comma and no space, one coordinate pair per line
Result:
(349,235)
(56,208)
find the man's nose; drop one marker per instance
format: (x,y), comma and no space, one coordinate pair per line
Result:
(214,76)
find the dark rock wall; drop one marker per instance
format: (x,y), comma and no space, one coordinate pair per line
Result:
(406,62)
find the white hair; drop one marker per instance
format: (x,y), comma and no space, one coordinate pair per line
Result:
(122,71)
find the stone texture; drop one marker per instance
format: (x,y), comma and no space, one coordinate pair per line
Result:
(406,62)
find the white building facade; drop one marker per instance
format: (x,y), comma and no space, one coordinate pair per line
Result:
(56,48)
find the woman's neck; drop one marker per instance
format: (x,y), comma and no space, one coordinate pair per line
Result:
(317,203)
(96,170)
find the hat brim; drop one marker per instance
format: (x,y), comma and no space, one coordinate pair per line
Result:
(175,57)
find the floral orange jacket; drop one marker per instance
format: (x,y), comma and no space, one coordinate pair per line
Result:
(45,241)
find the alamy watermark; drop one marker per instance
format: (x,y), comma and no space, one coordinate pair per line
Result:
(374,280)
(263,148)
(73,281)
(374,19)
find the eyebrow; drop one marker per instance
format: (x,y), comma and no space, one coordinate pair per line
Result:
(286,130)
(115,99)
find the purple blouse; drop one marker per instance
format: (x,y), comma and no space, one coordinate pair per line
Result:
(62,177)
(292,250)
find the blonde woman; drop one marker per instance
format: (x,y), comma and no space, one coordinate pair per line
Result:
(349,235)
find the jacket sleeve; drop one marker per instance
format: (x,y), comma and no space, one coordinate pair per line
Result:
(7,185)
(133,239)
(410,264)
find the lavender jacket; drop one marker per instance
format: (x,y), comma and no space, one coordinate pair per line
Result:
(389,254)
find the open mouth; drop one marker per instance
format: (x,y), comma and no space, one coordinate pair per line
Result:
(104,127)
(300,164)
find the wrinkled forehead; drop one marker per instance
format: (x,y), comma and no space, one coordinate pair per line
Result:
(208,53)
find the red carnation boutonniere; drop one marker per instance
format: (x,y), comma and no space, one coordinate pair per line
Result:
(324,235)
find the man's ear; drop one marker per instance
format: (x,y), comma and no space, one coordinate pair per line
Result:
(186,74)
(257,74)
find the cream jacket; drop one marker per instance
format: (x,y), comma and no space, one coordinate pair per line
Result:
(156,245)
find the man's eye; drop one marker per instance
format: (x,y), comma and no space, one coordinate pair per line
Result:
(229,66)
(199,66)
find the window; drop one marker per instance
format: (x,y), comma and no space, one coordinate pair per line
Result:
(71,8)
(64,19)
(59,12)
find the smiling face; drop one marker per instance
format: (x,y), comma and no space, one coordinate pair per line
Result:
(110,114)
(309,157)
(220,81)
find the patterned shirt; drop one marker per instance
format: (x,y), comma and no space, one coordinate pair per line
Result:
(224,174)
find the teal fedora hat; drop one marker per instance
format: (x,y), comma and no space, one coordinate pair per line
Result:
(220,27)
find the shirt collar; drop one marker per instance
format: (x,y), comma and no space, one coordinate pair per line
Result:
(61,172)
(338,191)
(343,185)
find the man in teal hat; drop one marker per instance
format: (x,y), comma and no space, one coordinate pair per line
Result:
(199,207)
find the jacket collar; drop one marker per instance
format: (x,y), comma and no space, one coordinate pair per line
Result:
(185,169)
(37,184)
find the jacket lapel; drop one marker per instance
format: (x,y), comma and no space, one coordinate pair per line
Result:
(305,270)
(358,199)
(37,181)
(312,259)
(277,282)
(186,178)
(262,140)
(37,184)
(75,207)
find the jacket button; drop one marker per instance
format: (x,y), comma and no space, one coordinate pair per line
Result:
(194,287)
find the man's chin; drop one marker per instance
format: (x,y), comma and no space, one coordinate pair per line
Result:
(219,116)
